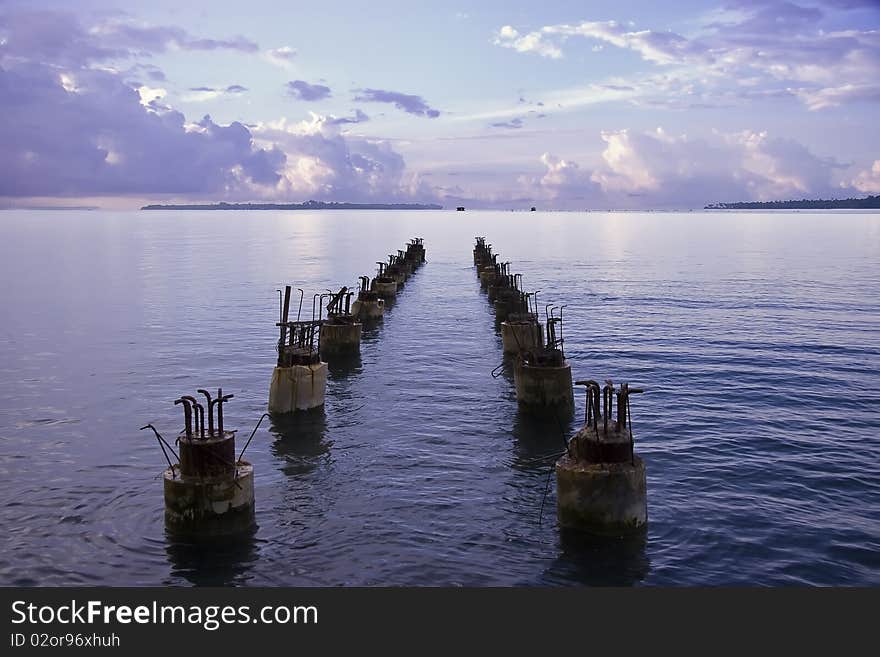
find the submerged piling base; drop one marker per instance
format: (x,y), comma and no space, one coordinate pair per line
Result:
(517,337)
(340,338)
(385,289)
(543,386)
(210,506)
(297,388)
(370,309)
(603,498)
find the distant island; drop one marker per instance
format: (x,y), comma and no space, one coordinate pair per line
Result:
(308,205)
(869,203)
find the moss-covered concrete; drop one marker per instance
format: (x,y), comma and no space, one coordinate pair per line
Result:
(607,498)
(210,506)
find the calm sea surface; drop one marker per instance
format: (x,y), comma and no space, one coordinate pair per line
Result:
(757,337)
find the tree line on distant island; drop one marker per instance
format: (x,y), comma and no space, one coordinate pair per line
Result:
(868,203)
(308,205)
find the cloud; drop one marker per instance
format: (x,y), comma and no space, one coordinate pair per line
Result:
(201,94)
(324,164)
(512,124)
(103,140)
(509,37)
(58,38)
(282,57)
(751,50)
(302,90)
(564,181)
(837,4)
(408,103)
(72,128)
(868,181)
(658,169)
(817,99)
(357,117)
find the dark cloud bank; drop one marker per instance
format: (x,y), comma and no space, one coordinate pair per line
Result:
(75,124)
(70,128)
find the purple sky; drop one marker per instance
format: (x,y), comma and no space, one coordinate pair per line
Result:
(566,104)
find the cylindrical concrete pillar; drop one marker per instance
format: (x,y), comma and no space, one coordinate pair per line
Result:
(520,336)
(493,290)
(508,303)
(208,493)
(601,484)
(385,287)
(601,497)
(366,309)
(297,388)
(340,337)
(543,385)
(210,505)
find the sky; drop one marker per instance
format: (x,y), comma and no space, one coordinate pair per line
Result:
(605,104)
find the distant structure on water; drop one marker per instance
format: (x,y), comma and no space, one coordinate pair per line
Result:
(534,209)
(460,208)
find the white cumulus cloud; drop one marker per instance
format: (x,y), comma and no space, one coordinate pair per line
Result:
(868,181)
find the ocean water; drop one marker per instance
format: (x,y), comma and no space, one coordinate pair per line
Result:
(756,337)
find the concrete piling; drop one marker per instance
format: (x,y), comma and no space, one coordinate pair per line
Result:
(521,333)
(369,306)
(488,273)
(508,302)
(340,332)
(299,379)
(515,309)
(405,265)
(384,285)
(208,492)
(298,386)
(415,251)
(542,376)
(601,483)
(542,382)
(482,252)
(395,271)
(340,335)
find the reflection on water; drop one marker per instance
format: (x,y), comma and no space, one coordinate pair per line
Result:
(371,330)
(218,561)
(539,439)
(300,439)
(339,366)
(599,560)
